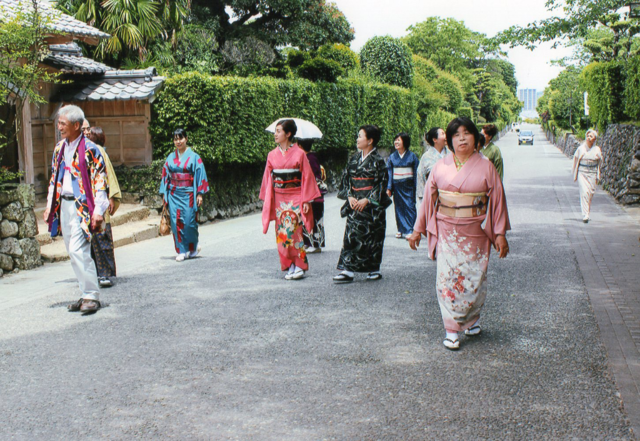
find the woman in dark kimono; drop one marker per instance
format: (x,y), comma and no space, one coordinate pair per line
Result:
(364,185)
(403,170)
(314,239)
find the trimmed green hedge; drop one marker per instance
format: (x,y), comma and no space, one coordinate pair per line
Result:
(632,89)
(605,83)
(226,116)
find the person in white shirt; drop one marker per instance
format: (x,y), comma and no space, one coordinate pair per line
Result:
(437,150)
(77,201)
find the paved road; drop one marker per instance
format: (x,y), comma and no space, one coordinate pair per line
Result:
(221,347)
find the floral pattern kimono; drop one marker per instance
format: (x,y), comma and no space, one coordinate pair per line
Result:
(96,174)
(287,183)
(183,178)
(461,244)
(586,170)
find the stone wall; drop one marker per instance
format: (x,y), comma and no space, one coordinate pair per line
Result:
(620,174)
(19,250)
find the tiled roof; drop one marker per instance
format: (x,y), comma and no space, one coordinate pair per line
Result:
(68,59)
(59,22)
(118,85)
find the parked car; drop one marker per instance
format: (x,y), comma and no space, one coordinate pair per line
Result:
(525,137)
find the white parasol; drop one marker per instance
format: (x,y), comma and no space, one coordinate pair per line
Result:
(306,129)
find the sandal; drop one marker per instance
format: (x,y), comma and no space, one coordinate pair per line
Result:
(453,345)
(398,235)
(473,331)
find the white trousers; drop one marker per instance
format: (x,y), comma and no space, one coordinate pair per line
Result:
(79,250)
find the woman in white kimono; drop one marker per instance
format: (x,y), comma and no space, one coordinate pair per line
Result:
(586,170)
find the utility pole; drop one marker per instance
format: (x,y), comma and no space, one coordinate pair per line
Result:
(570,109)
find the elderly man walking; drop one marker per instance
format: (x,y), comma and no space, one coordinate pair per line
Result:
(76,202)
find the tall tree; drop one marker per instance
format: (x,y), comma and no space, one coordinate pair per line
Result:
(448,43)
(307,24)
(577,18)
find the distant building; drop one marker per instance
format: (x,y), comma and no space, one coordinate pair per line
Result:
(530,99)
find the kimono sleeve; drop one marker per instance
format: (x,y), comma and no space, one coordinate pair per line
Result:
(380,182)
(99,178)
(426,222)
(266,194)
(498,163)
(497,221)
(200,177)
(416,163)
(345,183)
(389,185)
(576,162)
(309,187)
(164,182)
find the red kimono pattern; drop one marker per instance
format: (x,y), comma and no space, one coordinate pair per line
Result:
(288,182)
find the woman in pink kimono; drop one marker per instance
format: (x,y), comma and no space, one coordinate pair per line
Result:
(463,192)
(288,186)
(586,170)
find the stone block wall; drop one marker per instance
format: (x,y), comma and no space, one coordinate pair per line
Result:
(620,174)
(19,250)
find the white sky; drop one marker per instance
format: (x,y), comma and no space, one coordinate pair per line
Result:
(392,17)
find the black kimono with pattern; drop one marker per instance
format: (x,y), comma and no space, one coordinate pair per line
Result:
(365,230)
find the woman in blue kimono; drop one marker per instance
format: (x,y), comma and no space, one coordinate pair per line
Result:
(403,169)
(184,181)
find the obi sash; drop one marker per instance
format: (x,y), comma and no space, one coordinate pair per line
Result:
(588,163)
(287,178)
(362,184)
(182,179)
(400,173)
(459,205)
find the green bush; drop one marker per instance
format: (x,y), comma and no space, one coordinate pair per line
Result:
(388,60)
(296,58)
(466,111)
(341,54)
(425,68)
(225,117)
(449,86)
(632,88)
(439,118)
(319,69)
(605,83)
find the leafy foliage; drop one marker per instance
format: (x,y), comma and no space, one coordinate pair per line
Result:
(632,89)
(563,100)
(389,60)
(425,68)
(226,116)
(450,86)
(448,43)
(341,54)
(605,83)
(578,17)
(319,69)
(23,47)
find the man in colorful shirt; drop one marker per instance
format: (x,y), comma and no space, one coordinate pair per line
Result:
(490,150)
(76,202)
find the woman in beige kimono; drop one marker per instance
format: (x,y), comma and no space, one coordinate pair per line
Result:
(586,170)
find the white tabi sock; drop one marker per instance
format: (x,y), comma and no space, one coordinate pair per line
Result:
(292,268)
(453,336)
(297,268)
(348,273)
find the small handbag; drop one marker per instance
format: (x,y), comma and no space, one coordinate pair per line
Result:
(165,221)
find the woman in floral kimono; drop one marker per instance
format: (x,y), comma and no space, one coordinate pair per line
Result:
(184,181)
(364,185)
(587,161)
(463,191)
(403,170)
(288,186)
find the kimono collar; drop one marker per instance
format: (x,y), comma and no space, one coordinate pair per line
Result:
(284,152)
(402,154)
(365,157)
(73,144)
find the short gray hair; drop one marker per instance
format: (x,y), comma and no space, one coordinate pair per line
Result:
(591,131)
(74,114)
